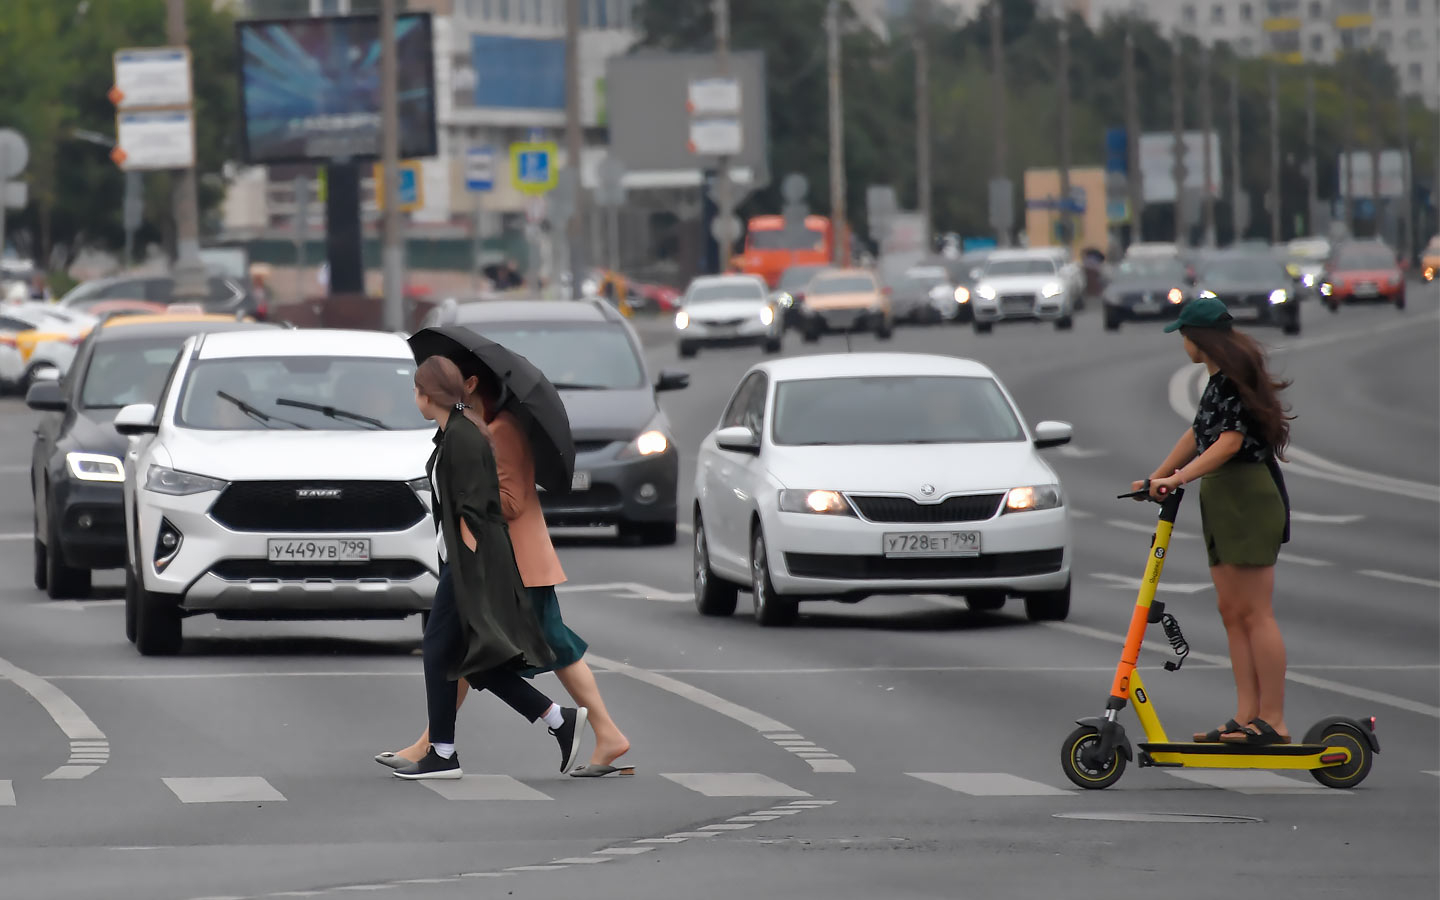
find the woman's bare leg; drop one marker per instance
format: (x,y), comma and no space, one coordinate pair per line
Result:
(1267,648)
(579,682)
(416,751)
(1231,600)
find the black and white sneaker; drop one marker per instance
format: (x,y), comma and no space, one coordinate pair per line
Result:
(432,767)
(569,736)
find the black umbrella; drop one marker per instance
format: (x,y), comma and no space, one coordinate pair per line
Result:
(525,391)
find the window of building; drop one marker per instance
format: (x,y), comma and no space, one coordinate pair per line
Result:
(1247,12)
(1217,15)
(1416,72)
(602,13)
(1384,40)
(1245,46)
(1412,7)
(1187,14)
(1415,39)
(1317,43)
(487,8)
(503,9)
(1382,7)
(1317,10)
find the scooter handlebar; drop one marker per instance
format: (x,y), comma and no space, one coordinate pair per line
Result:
(1143,494)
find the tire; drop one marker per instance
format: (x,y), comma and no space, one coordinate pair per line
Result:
(884,331)
(1292,323)
(1090,776)
(1361,758)
(985,601)
(810,335)
(41,574)
(1065,323)
(651,534)
(984,327)
(771,609)
(713,595)
(1334,306)
(1113,319)
(62,582)
(688,350)
(774,346)
(157,623)
(132,600)
(1048,606)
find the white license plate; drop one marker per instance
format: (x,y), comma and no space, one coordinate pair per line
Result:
(580,481)
(932,543)
(1147,306)
(1366,290)
(298,551)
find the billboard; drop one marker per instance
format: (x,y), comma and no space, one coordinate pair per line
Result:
(310,88)
(518,72)
(1157,164)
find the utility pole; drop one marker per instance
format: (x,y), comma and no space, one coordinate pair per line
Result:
(189,271)
(839,228)
(724,198)
(922,112)
(1349,154)
(1066,224)
(392,250)
(1376,122)
(1132,135)
(1177,105)
(574,146)
(1207,125)
(1274,157)
(997,122)
(1312,174)
(1407,193)
(1237,181)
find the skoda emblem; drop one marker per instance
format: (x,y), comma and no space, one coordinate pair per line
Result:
(927,489)
(317,493)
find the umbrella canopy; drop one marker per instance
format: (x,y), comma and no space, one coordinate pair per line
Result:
(525,391)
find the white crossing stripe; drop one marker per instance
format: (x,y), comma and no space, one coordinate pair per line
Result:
(784,811)
(753,818)
(830,765)
(785,737)
(244,789)
(733,784)
(484,787)
(534,868)
(70,773)
(728,826)
(581,860)
(7,794)
(989,784)
(811,804)
(625,851)
(1250,781)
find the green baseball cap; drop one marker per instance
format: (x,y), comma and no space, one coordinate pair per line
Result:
(1203,312)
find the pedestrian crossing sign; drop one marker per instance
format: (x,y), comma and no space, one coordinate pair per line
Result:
(532,166)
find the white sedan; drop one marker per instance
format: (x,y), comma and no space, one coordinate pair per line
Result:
(848,475)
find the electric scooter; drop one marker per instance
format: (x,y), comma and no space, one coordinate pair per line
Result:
(1338,751)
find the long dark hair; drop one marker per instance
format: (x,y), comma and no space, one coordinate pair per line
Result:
(439,379)
(1241,359)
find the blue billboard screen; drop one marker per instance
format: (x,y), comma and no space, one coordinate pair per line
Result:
(310,88)
(518,73)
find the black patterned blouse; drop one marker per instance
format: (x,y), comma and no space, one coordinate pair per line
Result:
(1222,410)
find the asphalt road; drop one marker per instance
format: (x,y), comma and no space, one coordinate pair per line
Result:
(898,748)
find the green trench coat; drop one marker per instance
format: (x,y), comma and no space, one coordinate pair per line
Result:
(498,619)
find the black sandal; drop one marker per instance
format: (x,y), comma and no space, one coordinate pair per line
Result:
(1213,735)
(1258,733)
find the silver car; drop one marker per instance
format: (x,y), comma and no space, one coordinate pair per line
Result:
(728,309)
(1024,284)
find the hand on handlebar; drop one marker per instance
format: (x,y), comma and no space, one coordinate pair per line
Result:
(1160,487)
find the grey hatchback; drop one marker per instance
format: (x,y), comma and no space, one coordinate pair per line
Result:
(626,465)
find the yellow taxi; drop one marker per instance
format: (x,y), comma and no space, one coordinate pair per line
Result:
(38,340)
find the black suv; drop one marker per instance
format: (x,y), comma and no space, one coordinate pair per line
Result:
(626,466)
(77,468)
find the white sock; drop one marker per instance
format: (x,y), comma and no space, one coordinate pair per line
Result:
(444,751)
(552,716)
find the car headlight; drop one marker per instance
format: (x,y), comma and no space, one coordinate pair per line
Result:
(1326,288)
(162,480)
(1308,279)
(1053,289)
(786,299)
(1039,496)
(820,503)
(962,295)
(682,320)
(1278,296)
(651,442)
(1176,295)
(1207,295)
(985,292)
(767,315)
(95,467)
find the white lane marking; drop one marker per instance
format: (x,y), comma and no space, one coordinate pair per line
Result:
(484,787)
(989,784)
(692,834)
(1304,560)
(630,590)
(7,794)
(1133,584)
(1245,781)
(484,874)
(830,765)
(1318,519)
(664,840)
(785,737)
(66,713)
(534,868)
(1436,773)
(16,536)
(71,773)
(625,851)
(1403,579)
(786,810)
(733,784)
(243,789)
(1323,684)
(81,605)
(586,860)
(749,717)
(756,818)
(728,826)
(1149,529)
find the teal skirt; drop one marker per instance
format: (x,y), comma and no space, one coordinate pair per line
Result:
(1242,514)
(568,646)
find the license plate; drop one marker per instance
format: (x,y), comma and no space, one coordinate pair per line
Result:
(580,481)
(297,551)
(1366,290)
(1147,306)
(932,543)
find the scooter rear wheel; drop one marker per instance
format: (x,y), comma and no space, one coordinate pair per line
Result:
(1079,745)
(1361,758)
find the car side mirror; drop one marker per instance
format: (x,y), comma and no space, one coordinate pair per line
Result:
(738,439)
(1053,434)
(672,381)
(45,395)
(136,419)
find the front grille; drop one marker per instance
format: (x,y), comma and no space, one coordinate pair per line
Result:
(1017,303)
(952,509)
(724,323)
(864,568)
(591,446)
(600,496)
(1132,298)
(274,506)
(247,569)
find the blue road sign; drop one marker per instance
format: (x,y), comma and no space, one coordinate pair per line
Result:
(408,186)
(1117,150)
(480,169)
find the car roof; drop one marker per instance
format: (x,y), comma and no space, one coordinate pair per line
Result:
(849,365)
(129,328)
(1031,253)
(305,342)
(531,311)
(728,279)
(835,273)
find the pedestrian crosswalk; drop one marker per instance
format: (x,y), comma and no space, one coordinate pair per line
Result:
(1003,784)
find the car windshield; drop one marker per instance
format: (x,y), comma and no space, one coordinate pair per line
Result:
(320,393)
(576,357)
(894,409)
(844,284)
(1367,258)
(124,372)
(1020,267)
(1150,270)
(726,290)
(1309,250)
(1245,269)
(778,239)
(797,277)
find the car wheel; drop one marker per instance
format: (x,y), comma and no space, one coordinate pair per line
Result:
(984,327)
(688,350)
(41,573)
(1400,301)
(1065,323)
(713,595)
(811,334)
(1048,606)
(653,534)
(157,623)
(132,591)
(1334,306)
(774,345)
(985,601)
(770,608)
(1113,319)
(1292,323)
(62,582)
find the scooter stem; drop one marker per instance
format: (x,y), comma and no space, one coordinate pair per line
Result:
(1140,618)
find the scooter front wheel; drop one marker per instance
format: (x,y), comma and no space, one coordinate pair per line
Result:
(1076,758)
(1349,774)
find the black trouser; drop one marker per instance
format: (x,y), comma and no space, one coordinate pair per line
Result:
(441,645)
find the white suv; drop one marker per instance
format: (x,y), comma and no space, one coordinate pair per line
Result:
(281,476)
(1024,284)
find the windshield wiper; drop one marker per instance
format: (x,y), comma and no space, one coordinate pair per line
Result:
(258,415)
(566,386)
(331,412)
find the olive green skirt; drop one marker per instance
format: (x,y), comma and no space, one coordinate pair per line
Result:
(1242,515)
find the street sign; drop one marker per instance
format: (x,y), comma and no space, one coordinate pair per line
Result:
(1075,205)
(14,153)
(154,139)
(532,166)
(151,77)
(17,195)
(560,202)
(610,191)
(480,169)
(716,137)
(726,229)
(1117,150)
(718,96)
(794,187)
(133,207)
(409,186)
(1002,204)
